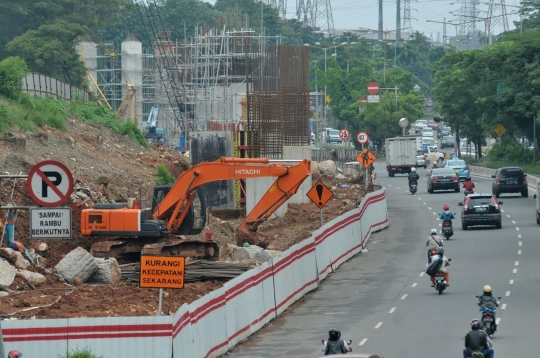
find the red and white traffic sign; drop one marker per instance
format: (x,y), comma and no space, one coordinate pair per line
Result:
(50,183)
(344,135)
(362,137)
(362,99)
(373,88)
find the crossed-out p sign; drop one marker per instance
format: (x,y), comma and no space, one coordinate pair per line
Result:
(50,183)
(319,194)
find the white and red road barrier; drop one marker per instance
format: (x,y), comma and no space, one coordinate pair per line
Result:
(215,323)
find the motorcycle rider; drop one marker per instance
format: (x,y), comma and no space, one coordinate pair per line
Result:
(14,354)
(434,165)
(447,215)
(468,185)
(488,301)
(433,242)
(446,262)
(413,177)
(335,345)
(477,341)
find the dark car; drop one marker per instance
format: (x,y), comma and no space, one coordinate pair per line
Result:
(510,180)
(481,209)
(448,142)
(443,179)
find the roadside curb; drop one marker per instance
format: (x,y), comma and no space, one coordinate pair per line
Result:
(484,172)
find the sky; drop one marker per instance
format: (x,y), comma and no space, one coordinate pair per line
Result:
(354,14)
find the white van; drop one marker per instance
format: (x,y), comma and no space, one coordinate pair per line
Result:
(427,132)
(332,135)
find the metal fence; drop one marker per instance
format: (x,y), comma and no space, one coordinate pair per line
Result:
(44,86)
(342,154)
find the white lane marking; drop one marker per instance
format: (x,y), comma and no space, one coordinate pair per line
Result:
(440,224)
(511,282)
(498,321)
(517,229)
(424,203)
(414,284)
(392,310)
(519,252)
(503,306)
(502,210)
(507,293)
(507,216)
(513,222)
(362,342)
(434,213)
(398,187)
(520,243)
(514,271)
(420,199)
(389,184)
(429,208)
(404,296)
(378,325)
(421,274)
(516,263)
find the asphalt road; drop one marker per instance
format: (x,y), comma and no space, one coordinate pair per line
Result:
(383,301)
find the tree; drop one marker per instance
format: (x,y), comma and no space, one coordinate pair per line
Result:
(51,50)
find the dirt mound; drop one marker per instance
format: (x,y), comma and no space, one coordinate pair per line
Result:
(117,168)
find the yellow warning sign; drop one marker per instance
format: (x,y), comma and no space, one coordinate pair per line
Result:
(328,99)
(366,158)
(320,194)
(499,129)
(162,272)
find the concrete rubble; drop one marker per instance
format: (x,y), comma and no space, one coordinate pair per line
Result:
(328,167)
(250,253)
(7,273)
(34,278)
(266,255)
(314,166)
(14,257)
(108,271)
(78,263)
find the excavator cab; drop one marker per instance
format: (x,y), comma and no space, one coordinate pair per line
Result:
(195,219)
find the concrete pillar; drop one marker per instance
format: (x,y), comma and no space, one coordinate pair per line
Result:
(132,72)
(255,189)
(89,50)
(298,152)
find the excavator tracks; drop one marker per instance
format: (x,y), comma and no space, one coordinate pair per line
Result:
(131,249)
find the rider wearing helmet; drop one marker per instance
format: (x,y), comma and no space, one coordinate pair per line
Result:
(335,345)
(477,341)
(446,262)
(447,215)
(488,301)
(468,185)
(14,354)
(433,242)
(413,176)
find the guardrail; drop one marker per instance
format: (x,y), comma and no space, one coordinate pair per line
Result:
(215,323)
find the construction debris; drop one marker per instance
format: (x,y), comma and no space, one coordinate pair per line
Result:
(33,278)
(14,257)
(108,271)
(77,264)
(7,273)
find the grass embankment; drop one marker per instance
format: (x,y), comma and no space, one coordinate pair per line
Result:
(27,114)
(495,164)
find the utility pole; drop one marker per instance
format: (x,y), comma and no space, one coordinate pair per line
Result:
(380,20)
(398,20)
(348,46)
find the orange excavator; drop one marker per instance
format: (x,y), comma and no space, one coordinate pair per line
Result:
(179,209)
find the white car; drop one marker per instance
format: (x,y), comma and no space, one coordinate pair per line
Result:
(427,132)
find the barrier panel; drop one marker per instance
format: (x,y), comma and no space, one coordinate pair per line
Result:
(213,324)
(182,339)
(34,337)
(250,303)
(295,274)
(139,336)
(209,324)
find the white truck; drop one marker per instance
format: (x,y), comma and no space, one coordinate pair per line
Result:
(400,154)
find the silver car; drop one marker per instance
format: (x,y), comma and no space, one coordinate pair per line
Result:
(421,159)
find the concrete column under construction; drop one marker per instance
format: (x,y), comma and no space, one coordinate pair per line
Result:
(132,73)
(89,51)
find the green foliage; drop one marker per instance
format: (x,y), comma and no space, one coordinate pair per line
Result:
(81,353)
(51,50)
(12,71)
(163,175)
(510,153)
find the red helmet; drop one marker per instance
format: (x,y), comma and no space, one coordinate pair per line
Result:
(446,207)
(14,354)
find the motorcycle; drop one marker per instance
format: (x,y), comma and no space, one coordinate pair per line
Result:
(465,192)
(432,253)
(347,345)
(413,187)
(447,229)
(477,355)
(440,282)
(488,322)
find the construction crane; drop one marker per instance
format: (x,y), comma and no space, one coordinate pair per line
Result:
(124,110)
(153,132)
(177,209)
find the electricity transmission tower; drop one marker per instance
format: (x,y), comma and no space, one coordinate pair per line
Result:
(468,32)
(322,17)
(304,12)
(280,5)
(496,16)
(406,14)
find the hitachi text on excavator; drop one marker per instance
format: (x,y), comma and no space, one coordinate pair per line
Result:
(179,209)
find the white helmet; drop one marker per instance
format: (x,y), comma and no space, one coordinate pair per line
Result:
(413,169)
(433,231)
